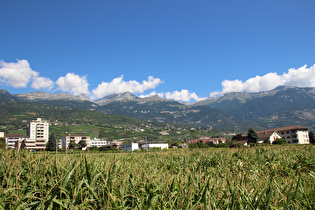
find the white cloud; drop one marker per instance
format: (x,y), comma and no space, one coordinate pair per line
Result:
(117,85)
(20,74)
(74,84)
(42,82)
(301,77)
(183,95)
(17,74)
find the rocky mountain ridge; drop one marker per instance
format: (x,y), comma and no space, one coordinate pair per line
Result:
(42,96)
(279,107)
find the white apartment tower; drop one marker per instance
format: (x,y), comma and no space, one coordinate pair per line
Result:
(38,134)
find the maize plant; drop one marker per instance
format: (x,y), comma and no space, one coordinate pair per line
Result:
(277,177)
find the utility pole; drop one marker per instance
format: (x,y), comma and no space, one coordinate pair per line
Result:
(66,143)
(56,145)
(131,146)
(146,142)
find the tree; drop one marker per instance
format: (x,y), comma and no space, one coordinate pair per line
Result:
(175,144)
(82,143)
(2,143)
(72,144)
(312,137)
(252,136)
(51,144)
(237,137)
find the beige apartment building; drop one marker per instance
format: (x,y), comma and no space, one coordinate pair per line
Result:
(77,138)
(13,140)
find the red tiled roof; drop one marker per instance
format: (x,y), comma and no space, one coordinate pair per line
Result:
(266,134)
(281,129)
(10,135)
(240,142)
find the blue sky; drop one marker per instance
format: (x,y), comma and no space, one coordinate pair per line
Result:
(181,50)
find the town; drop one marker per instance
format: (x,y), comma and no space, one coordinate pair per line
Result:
(38,137)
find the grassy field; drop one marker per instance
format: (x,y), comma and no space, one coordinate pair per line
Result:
(277,177)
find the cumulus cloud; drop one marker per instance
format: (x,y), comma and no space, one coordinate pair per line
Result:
(118,85)
(20,74)
(17,74)
(42,82)
(74,84)
(183,95)
(301,77)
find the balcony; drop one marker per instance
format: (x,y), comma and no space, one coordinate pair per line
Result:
(41,141)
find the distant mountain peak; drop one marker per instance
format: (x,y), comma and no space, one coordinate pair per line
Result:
(116,97)
(127,95)
(5,96)
(84,97)
(3,91)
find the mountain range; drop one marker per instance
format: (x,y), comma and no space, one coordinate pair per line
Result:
(233,111)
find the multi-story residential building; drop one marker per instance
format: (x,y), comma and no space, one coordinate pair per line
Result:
(14,140)
(38,129)
(38,135)
(292,134)
(97,143)
(76,138)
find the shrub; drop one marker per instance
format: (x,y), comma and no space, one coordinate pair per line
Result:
(280,141)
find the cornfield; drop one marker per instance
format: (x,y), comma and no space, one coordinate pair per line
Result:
(277,177)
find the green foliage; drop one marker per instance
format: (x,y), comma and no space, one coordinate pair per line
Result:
(280,141)
(255,178)
(198,145)
(252,135)
(175,144)
(15,116)
(51,144)
(2,143)
(239,145)
(72,144)
(82,143)
(311,137)
(237,137)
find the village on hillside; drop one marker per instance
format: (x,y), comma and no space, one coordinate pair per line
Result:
(38,138)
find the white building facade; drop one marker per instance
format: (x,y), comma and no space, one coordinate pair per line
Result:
(38,129)
(97,143)
(154,145)
(129,147)
(38,135)
(268,137)
(292,134)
